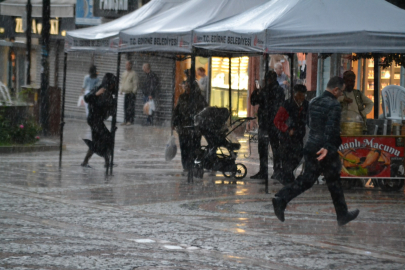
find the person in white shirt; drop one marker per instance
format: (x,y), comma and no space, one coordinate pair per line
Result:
(282,79)
(203,82)
(129,87)
(89,83)
(353,101)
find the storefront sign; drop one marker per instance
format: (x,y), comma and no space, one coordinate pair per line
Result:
(365,157)
(252,41)
(84,13)
(113,8)
(172,42)
(37,27)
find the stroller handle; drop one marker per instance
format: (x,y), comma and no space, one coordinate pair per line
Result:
(240,121)
(244,119)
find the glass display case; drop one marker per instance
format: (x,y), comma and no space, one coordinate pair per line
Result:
(239,81)
(388,76)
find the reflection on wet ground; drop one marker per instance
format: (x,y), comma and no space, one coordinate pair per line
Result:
(146,216)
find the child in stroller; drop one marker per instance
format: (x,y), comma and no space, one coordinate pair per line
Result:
(211,122)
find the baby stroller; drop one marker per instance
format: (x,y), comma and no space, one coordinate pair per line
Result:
(221,152)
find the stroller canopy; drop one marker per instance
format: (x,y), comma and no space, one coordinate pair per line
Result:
(211,118)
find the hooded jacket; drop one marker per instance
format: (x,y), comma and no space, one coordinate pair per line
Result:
(324,123)
(269,100)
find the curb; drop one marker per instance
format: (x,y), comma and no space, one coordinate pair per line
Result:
(33,148)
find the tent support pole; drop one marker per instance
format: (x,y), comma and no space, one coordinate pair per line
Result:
(266,70)
(230,90)
(376,85)
(114,118)
(62,114)
(174,92)
(291,75)
(192,150)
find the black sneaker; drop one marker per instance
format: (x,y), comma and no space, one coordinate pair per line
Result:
(85,165)
(348,217)
(277,175)
(258,175)
(279,208)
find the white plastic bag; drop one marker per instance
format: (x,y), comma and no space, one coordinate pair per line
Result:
(146,108)
(171,149)
(80,101)
(151,106)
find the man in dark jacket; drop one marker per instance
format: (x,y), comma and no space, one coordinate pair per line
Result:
(189,104)
(149,87)
(269,100)
(291,122)
(321,154)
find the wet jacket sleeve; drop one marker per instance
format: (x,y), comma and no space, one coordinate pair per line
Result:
(255,98)
(281,119)
(368,104)
(332,129)
(176,114)
(280,97)
(91,97)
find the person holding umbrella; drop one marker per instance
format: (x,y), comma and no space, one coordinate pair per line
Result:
(101,104)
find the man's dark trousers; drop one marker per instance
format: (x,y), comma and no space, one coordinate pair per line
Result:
(330,167)
(129,107)
(266,136)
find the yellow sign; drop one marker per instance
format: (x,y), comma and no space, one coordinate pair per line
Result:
(36,28)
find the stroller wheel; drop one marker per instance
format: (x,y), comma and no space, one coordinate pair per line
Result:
(241,171)
(228,174)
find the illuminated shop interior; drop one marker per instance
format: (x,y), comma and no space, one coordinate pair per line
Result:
(239,84)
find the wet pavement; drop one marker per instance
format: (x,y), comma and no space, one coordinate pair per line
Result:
(146,216)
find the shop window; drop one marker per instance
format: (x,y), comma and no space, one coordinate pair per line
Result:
(239,84)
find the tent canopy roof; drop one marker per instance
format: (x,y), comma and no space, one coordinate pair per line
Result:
(102,34)
(112,28)
(180,22)
(313,26)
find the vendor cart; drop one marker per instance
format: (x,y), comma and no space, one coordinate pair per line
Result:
(374,157)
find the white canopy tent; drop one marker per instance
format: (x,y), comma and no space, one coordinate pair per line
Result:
(319,26)
(104,37)
(171,31)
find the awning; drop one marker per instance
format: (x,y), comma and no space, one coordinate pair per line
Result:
(171,31)
(318,26)
(104,37)
(59,8)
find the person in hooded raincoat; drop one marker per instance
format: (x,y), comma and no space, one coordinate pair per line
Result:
(189,104)
(101,105)
(269,99)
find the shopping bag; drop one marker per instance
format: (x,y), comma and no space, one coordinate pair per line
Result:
(151,106)
(80,101)
(171,149)
(146,108)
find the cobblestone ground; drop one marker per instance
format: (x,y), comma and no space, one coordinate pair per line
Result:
(146,216)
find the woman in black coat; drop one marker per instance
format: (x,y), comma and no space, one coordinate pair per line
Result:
(189,104)
(100,101)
